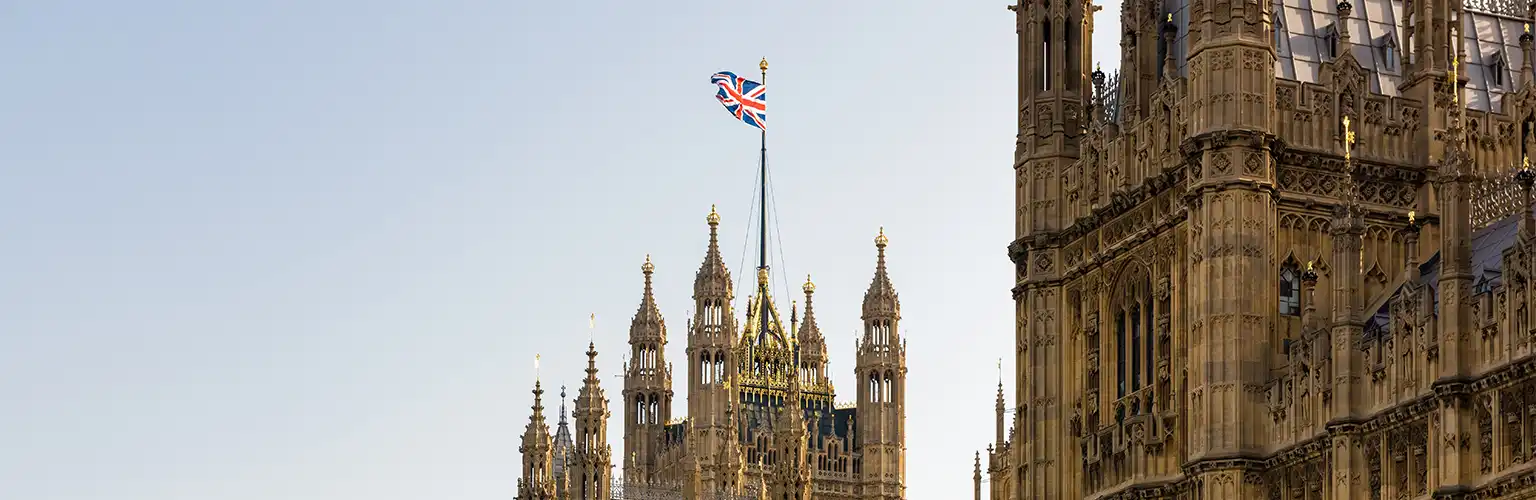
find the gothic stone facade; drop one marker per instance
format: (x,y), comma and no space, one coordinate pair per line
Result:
(762,421)
(1284,253)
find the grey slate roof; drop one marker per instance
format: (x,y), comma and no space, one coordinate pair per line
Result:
(1490,33)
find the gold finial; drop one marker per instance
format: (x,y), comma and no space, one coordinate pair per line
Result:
(647,267)
(1170,17)
(1410,216)
(1525,161)
(881,240)
(1527,27)
(714,217)
(1309,265)
(809,287)
(762,275)
(1349,139)
(763,65)
(535,367)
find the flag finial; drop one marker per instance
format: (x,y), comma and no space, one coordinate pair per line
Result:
(535,366)
(763,65)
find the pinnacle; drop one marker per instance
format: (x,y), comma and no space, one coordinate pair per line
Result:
(881,296)
(809,332)
(713,274)
(648,313)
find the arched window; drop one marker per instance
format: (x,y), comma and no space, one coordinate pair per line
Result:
(1134,338)
(1045,55)
(1290,289)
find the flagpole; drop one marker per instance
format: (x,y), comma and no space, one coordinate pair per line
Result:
(762,250)
(762,237)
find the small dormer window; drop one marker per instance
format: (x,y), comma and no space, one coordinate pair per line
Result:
(1389,54)
(1331,41)
(1497,67)
(1279,32)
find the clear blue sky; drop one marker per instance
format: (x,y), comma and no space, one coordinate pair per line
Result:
(308,249)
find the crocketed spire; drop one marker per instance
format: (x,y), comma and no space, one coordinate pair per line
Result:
(590,400)
(537,481)
(808,329)
(713,277)
(648,317)
(537,431)
(881,300)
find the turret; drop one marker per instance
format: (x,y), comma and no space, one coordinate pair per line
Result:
(647,385)
(1053,74)
(538,481)
(812,345)
(592,472)
(711,337)
(882,371)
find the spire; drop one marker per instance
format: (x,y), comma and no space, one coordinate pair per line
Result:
(713,278)
(881,298)
(648,301)
(809,332)
(562,406)
(564,445)
(1002,405)
(538,401)
(648,321)
(591,364)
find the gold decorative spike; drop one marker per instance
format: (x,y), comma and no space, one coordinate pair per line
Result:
(809,287)
(881,240)
(535,367)
(1525,161)
(1170,17)
(714,217)
(1410,216)
(1309,265)
(763,65)
(762,276)
(1349,139)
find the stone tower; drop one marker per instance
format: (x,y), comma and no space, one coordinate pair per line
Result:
(647,386)
(538,480)
(1053,41)
(881,369)
(1232,214)
(711,362)
(591,474)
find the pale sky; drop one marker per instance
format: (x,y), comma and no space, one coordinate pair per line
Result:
(308,249)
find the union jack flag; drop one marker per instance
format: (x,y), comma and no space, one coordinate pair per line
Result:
(746,99)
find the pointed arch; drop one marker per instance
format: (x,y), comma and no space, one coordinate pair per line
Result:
(1131,313)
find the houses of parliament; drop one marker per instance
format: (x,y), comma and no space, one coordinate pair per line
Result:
(762,421)
(1284,252)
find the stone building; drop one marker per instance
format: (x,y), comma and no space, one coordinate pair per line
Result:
(762,419)
(1283,253)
